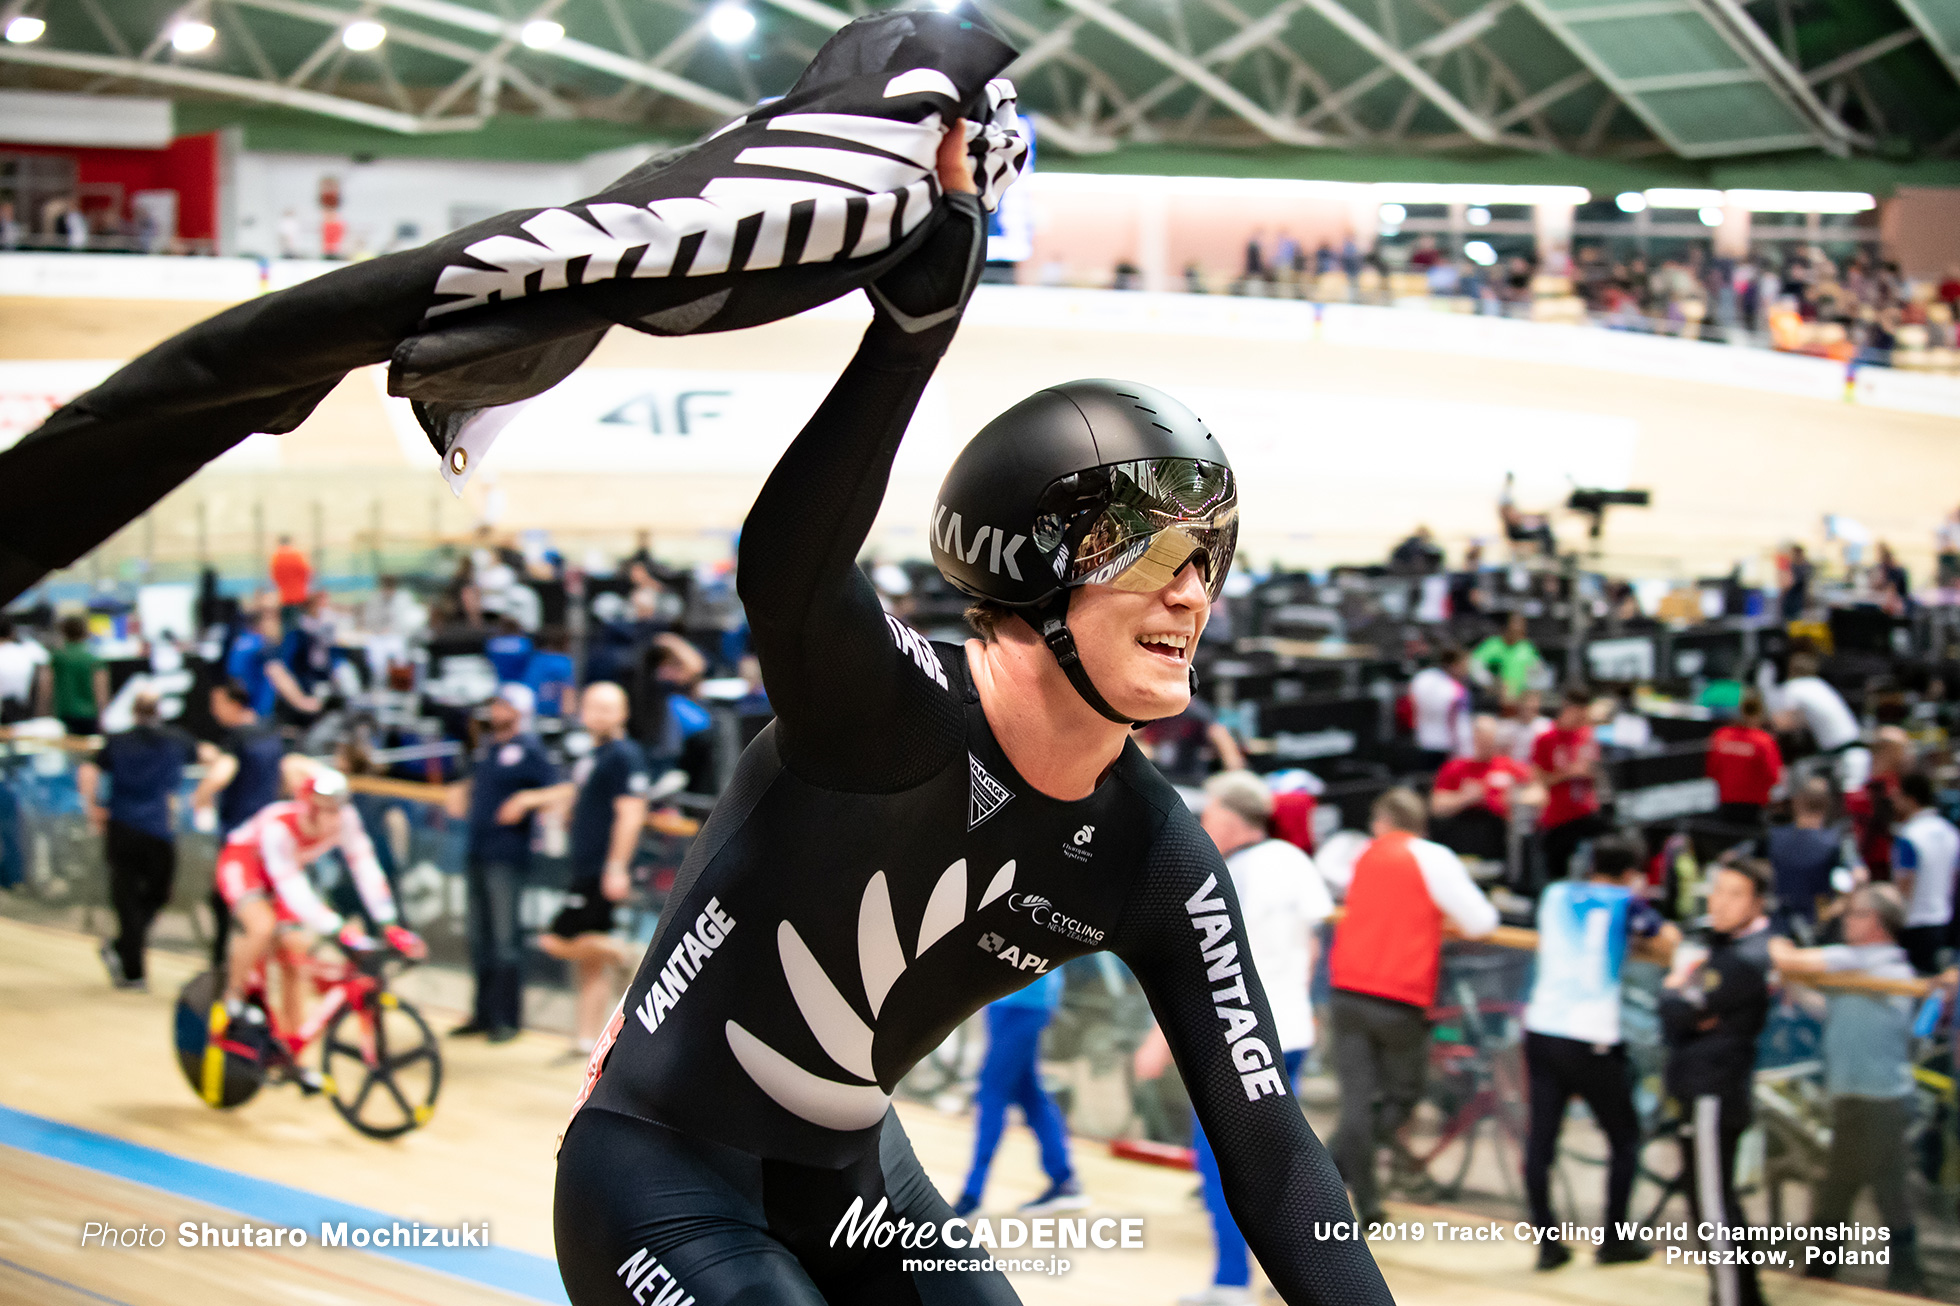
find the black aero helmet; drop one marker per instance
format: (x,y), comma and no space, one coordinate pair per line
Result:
(1090,482)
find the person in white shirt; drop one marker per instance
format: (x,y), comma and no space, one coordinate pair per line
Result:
(1283,900)
(1521,724)
(1806,699)
(1925,852)
(1442,707)
(21,660)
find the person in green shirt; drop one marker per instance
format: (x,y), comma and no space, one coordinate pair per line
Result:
(78,683)
(1509,657)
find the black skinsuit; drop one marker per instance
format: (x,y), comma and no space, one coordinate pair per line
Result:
(876,873)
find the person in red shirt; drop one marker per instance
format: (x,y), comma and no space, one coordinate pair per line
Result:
(1872,808)
(292,576)
(1471,799)
(1566,761)
(1745,765)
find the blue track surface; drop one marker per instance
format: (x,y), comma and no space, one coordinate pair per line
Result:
(519,1273)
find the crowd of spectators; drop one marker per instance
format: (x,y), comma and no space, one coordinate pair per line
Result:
(1795,297)
(547,694)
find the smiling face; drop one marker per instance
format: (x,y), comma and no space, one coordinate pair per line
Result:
(1137,647)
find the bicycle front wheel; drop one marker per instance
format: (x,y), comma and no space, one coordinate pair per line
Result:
(383,1067)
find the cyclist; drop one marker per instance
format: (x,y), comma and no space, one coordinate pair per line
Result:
(262,875)
(925,828)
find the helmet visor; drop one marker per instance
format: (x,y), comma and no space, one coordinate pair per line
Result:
(1135,525)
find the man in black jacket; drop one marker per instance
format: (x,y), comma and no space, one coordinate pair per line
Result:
(1713,1005)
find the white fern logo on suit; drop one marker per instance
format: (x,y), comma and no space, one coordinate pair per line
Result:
(845,1036)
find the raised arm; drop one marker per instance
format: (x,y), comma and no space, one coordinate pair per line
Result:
(1183,936)
(835,672)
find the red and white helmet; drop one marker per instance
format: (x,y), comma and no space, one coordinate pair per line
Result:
(322,785)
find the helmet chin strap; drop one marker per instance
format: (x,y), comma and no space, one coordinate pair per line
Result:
(1051,620)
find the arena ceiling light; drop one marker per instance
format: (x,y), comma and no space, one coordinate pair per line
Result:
(24,29)
(1477,216)
(363,34)
(1477,193)
(1394,215)
(1631,201)
(1480,253)
(541,34)
(192,36)
(1711,216)
(731,24)
(1802,201)
(1673,197)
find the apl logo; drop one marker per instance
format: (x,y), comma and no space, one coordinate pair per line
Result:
(947,534)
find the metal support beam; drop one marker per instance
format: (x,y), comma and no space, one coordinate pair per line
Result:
(813,11)
(241,88)
(548,104)
(1404,67)
(1833,135)
(1540,101)
(576,52)
(1861,56)
(1147,42)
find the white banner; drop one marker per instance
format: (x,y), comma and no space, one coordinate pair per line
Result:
(614,419)
(32,389)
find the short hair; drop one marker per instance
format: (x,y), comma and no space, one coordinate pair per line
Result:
(1576,696)
(1617,854)
(1803,663)
(1753,869)
(235,691)
(1450,654)
(1886,903)
(145,707)
(1814,797)
(986,617)
(1243,794)
(74,628)
(1751,706)
(1402,808)
(1917,786)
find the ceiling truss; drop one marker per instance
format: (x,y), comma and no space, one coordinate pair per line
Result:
(1094,74)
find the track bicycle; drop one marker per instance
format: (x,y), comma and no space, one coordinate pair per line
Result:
(380,1064)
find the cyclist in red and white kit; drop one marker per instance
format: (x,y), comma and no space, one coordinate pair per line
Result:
(262,875)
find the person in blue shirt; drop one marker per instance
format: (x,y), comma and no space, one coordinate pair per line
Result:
(552,677)
(145,768)
(1011,1075)
(509,651)
(1572,1042)
(607,795)
(501,820)
(1804,856)
(243,774)
(261,659)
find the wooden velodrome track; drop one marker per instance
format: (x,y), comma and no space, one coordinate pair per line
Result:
(97,1125)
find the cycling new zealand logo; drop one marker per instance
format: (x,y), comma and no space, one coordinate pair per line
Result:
(1043,912)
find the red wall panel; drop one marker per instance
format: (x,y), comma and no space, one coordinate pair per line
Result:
(188,165)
